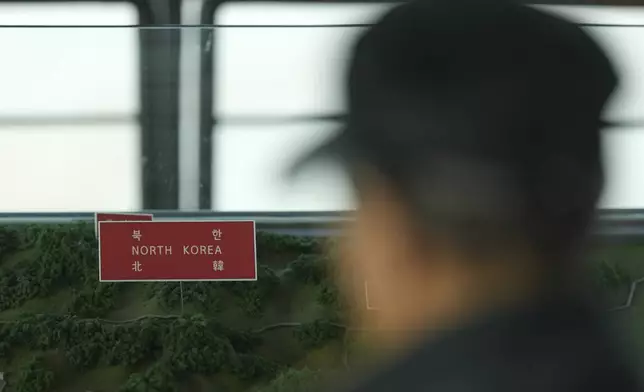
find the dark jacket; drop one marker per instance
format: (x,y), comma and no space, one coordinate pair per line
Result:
(554,347)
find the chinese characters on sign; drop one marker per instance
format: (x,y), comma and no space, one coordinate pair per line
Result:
(136,266)
(173,250)
(217,265)
(102,217)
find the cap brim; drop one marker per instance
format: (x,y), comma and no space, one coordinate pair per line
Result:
(334,149)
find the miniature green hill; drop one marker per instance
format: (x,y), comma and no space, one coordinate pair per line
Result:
(62,330)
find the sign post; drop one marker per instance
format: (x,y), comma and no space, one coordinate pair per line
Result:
(372,303)
(143,251)
(181,293)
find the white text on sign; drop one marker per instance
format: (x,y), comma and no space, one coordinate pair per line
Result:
(166,250)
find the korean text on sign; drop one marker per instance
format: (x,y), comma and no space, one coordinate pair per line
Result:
(171,250)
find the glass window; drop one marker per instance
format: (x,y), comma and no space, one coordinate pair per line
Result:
(69,104)
(623,151)
(253,178)
(276,72)
(279,73)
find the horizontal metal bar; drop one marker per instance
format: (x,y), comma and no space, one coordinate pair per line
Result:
(616,224)
(120,119)
(298,224)
(257,26)
(621,215)
(280,119)
(363,25)
(340,117)
(271,218)
(82,120)
(96,26)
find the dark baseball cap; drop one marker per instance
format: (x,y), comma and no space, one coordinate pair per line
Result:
(490,86)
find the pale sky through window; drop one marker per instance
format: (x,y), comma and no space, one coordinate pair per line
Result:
(280,71)
(67,73)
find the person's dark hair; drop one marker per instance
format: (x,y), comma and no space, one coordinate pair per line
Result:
(486,121)
(484,208)
(484,116)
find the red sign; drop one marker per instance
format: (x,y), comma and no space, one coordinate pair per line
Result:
(102,217)
(176,251)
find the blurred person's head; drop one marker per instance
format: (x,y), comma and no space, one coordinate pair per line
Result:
(473,141)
